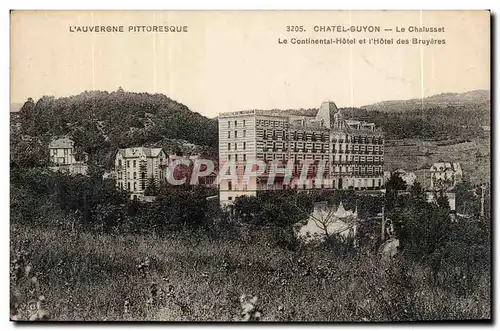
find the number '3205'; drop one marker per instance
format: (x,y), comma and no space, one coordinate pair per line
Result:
(295,28)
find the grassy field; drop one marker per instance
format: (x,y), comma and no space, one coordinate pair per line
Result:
(195,277)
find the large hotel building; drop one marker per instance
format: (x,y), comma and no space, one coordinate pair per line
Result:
(351,151)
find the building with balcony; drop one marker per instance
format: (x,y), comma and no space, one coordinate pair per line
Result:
(341,153)
(136,167)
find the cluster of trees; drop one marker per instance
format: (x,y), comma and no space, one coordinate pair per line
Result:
(454,247)
(286,208)
(41,197)
(99,122)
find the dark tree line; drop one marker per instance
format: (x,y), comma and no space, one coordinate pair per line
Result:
(43,198)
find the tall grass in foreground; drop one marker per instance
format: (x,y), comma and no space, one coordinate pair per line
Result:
(194,277)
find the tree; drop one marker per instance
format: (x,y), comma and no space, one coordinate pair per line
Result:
(421,228)
(395,182)
(151,188)
(274,208)
(417,192)
(324,217)
(246,208)
(443,201)
(467,202)
(393,186)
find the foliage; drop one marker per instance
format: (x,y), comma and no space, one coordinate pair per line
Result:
(96,204)
(151,188)
(394,185)
(454,248)
(280,208)
(99,122)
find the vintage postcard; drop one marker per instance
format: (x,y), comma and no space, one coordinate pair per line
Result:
(245,166)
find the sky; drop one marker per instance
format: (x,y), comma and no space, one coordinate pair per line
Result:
(229,61)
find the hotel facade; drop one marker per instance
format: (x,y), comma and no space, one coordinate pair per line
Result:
(341,153)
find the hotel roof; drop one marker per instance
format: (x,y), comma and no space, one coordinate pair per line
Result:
(138,151)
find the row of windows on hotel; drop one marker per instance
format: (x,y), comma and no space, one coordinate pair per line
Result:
(313,137)
(134,163)
(361,183)
(320,150)
(323,148)
(235,123)
(316,145)
(258,122)
(296,135)
(236,134)
(299,157)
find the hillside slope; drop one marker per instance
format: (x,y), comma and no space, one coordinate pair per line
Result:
(476,98)
(100,122)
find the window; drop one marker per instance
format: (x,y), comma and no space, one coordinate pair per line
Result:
(235,123)
(128,163)
(236,134)
(229,157)
(228,146)
(134,164)
(119,163)
(235,146)
(229,134)
(244,145)
(229,124)
(128,186)
(135,186)
(143,185)
(244,133)
(244,123)
(244,157)
(236,157)
(135,175)
(229,185)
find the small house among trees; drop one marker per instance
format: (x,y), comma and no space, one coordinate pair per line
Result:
(65,157)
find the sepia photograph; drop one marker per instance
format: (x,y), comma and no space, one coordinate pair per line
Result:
(250,166)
